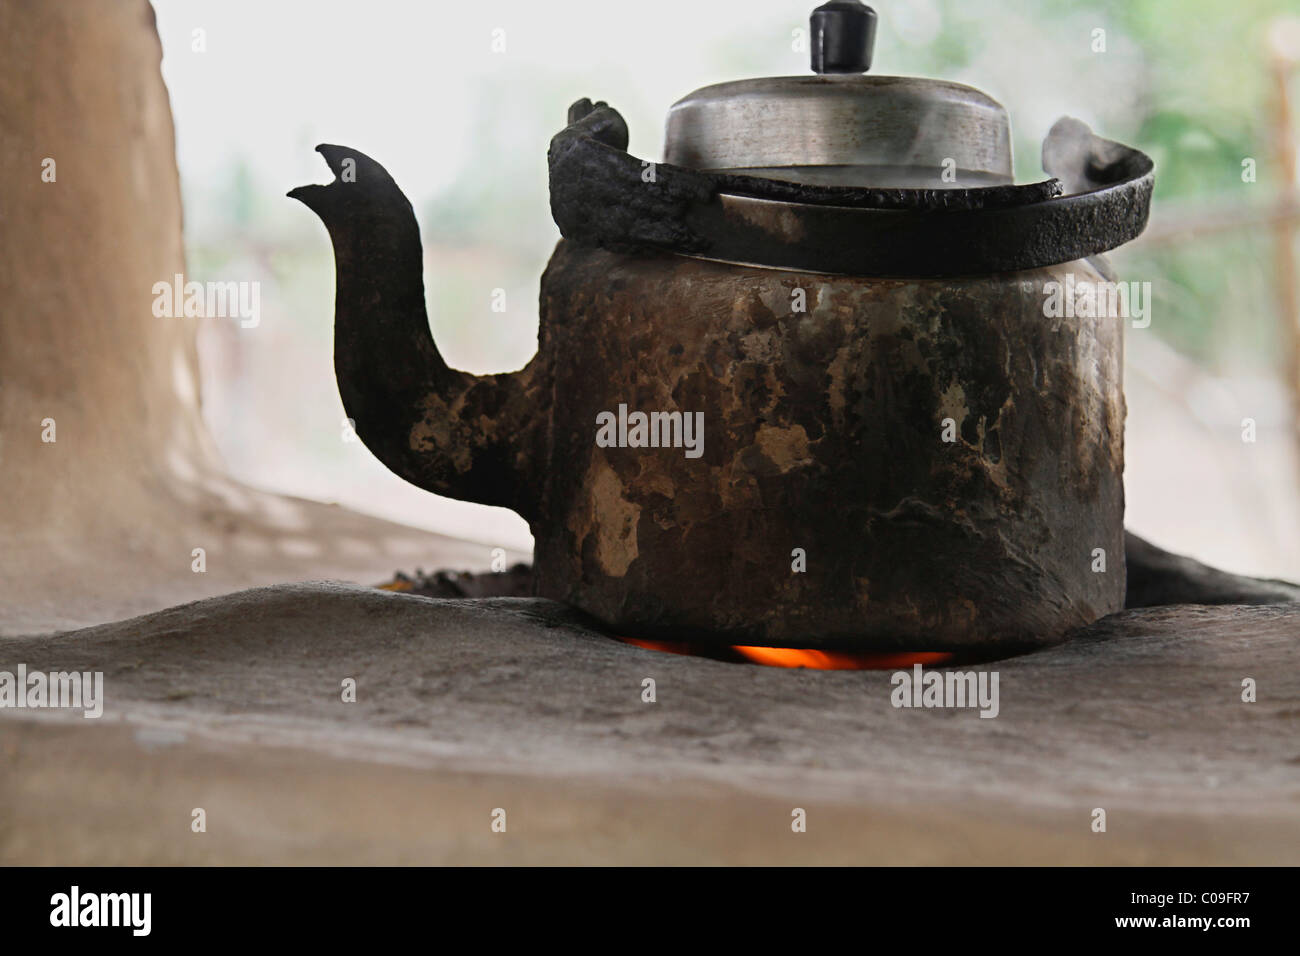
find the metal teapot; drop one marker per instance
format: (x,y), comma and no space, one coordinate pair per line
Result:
(795,385)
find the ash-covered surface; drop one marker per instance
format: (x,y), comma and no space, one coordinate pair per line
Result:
(234,704)
(468,704)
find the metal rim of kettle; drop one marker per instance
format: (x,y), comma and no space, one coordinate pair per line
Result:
(1098,199)
(885,131)
(820,173)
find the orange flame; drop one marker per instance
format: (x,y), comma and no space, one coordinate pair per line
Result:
(837,660)
(797,656)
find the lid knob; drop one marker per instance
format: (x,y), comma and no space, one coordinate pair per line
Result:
(843,33)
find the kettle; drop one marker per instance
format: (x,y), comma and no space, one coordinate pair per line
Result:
(797,384)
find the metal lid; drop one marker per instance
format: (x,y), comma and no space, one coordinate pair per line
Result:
(838,128)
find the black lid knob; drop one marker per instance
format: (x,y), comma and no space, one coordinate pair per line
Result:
(843,33)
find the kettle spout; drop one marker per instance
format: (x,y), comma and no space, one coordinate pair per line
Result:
(466,436)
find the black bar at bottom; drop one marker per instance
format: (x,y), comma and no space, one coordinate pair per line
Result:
(333,905)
